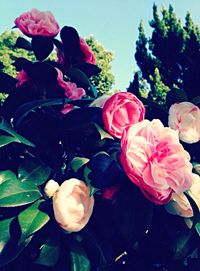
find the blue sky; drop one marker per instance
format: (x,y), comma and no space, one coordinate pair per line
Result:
(113,22)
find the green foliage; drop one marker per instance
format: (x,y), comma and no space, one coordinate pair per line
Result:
(9,53)
(104,81)
(170,58)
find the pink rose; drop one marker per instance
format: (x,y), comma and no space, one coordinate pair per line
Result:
(154,160)
(71,90)
(37,23)
(73,205)
(121,110)
(22,77)
(88,53)
(185,117)
(179,204)
(89,56)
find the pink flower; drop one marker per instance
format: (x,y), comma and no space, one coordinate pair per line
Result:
(155,161)
(73,205)
(179,204)
(185,117)
(121,110)
(37,23)
(22,77)
(71,90)
(67,108)
(110,192)
(89,56)
(88,53)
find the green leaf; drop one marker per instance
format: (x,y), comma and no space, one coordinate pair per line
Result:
(5,140)
(7,175)
(4,126)
(78,162)
(31,220)
(9,250)
(81,78)
(79,259)
(185,244)
(103,134)
(5,232)
(197,227)
(50,251)
(87,171)
(33,171)
(15,193)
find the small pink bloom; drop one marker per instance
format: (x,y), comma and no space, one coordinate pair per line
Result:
(22,77)
(37,23)
(121,110)
(185,117)
(88,53)
(179,204)
(110,192)
(73,205)
(70,89)
(67,108)
(155,161)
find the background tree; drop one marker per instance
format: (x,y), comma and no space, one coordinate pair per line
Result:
(170,59)
(104,57)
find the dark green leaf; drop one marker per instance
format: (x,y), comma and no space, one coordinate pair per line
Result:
(23,43)
(7,175)
(81,79)
(5,140)
(25,109)
(15,193)
(4,126)
(103,133)
(79,259)
(78,162)
(50,251)
(7,83)
(185,243)
(33,171)
(197,227)
(196,100)
(5,232)
(31,220)
(176,96)
(42,46)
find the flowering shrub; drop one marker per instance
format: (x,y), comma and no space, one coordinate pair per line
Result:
(88,182)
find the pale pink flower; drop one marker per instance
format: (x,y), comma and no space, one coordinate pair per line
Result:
(179,204)
(185,117)
(73,205)
(154,160)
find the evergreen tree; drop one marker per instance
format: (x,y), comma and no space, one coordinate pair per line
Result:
(170,59)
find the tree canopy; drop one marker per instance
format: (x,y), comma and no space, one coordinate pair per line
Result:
(170,59)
